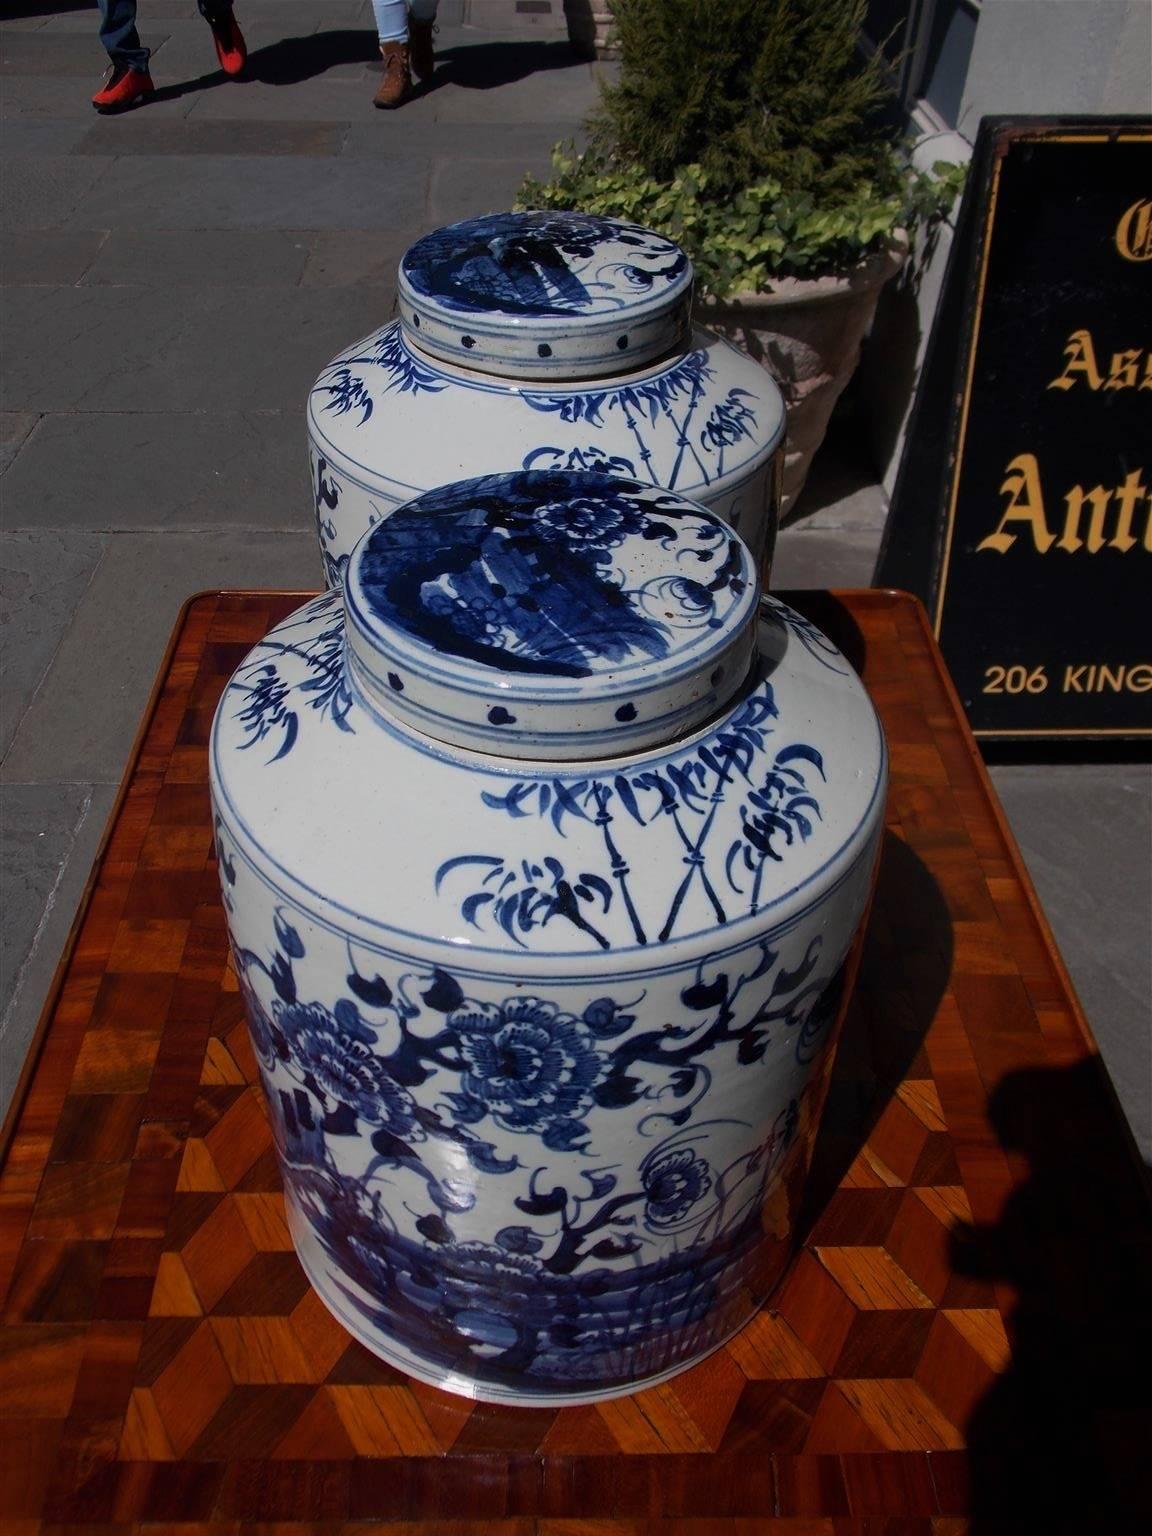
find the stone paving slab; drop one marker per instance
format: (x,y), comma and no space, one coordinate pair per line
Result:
(43,192)
(272,60)
(462,189)
(395,133)
(51,836)
(151,350)
(537,82)
(499,15)
(1085,831)
(65,55)
(208,470)
(806,559)
(23,137)
(139,134)
(28,96)
(43,579)
(320,100)
(81,727)
(297,15)
(48,258)
(14,428)
(360,256)
(253,192)
(200,258)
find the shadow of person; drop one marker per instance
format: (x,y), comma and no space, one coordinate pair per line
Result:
(1063,1437)
(486,66)
(291,60)
(904,971)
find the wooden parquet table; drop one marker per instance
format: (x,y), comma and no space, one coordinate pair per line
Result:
(962,1342)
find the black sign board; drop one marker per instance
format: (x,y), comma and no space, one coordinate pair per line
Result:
(1023,511)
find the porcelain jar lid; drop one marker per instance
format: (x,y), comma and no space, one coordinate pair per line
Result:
(546,295)
(552,615)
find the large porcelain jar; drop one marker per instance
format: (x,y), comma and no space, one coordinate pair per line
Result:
(545,846)
(542,341)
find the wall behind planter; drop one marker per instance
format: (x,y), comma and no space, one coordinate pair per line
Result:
(1056,56)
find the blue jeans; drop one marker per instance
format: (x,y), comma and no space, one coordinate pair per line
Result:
(119,35)
(392,17)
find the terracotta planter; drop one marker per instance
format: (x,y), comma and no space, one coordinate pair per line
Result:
(590,24)
(807,333)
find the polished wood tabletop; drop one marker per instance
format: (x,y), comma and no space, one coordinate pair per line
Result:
(961,1343)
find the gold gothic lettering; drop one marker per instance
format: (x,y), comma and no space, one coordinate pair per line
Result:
(1130,368)
(1134,232)
(1026,514)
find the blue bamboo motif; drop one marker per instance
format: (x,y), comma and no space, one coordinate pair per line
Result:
(730,421)
(268,697)
(400,371)
(778,810)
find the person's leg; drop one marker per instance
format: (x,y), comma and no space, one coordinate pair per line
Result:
(392,30)
(128,81)
(421,24)
(231,49)
(119,35)
(391,20)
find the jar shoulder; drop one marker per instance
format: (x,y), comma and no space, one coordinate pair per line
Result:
(752,818)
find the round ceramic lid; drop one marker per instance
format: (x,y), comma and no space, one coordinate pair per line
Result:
(546,295)
(551,614)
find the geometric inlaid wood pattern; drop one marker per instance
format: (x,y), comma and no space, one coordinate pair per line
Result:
(964,1332)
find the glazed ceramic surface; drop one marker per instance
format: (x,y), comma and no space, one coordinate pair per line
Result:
(546,295)
(543,1026)
(532,341)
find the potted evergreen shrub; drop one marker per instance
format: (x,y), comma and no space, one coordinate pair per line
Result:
(756,134)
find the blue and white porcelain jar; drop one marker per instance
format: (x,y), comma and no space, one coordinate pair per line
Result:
(542,341)
(545,846)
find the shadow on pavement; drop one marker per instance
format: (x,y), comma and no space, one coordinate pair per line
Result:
(486,66)
(1062,1437)
(476,67)
(24,8)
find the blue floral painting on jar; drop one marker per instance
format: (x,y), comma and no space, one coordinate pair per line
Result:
(608,1271)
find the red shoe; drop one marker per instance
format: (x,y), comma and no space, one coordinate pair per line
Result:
(124,88)
(231,49)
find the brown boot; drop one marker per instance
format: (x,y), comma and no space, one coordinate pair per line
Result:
(420,48)
(396,83)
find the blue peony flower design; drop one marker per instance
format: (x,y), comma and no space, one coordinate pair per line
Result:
(673,1185)
(529,1066)
(591,523)
(345,1067)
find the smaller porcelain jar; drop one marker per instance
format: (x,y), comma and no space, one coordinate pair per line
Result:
(545,848)
(542,341)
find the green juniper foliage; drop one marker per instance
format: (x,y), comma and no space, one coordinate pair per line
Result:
(749,90)
(754,132)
